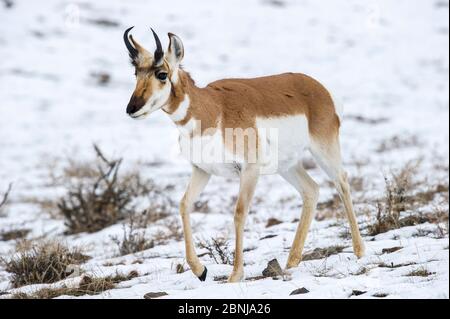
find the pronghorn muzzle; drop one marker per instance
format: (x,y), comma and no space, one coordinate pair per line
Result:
(135,104)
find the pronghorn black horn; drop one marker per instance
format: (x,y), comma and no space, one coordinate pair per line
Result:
(159,53)
(133,52)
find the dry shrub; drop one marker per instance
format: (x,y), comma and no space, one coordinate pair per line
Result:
(218,249)
(174,231)
(397,142)
(179,269)
(420,272)
(4,200)
(98,196)
(400,197)
(133,239)
(397,187)
(329,209)
(201,206)
(14,234)
(44,263)
(87,286)
(332,208)
(356,183)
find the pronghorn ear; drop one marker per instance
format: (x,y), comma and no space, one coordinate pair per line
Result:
(175,52)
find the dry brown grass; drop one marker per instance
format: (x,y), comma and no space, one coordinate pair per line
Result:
(218,249)
(98,196)
(87,286)
(420,272)
(44,263)
(401,196)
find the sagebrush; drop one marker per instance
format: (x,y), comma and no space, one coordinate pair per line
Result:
(44,263)
(98,196)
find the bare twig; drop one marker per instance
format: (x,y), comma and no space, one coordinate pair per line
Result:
(218,250)
(6,195)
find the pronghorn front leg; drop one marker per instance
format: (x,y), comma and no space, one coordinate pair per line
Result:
(249,178)
(199,179)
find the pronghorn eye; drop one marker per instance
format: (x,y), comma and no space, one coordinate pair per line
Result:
(161,76)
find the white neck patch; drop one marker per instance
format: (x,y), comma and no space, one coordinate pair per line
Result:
(181,112)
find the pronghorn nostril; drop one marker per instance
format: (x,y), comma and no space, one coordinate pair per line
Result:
(135,104)
(131,109)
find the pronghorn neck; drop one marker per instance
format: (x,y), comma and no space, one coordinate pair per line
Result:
(179,104)
(188,104)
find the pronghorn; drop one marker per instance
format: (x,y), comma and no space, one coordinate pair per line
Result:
(301,110)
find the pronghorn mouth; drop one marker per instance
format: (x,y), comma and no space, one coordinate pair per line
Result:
(139,116)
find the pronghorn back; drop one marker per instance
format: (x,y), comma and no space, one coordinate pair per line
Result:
(243,101)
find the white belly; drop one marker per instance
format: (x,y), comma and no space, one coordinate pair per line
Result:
(282,142)
(208,153)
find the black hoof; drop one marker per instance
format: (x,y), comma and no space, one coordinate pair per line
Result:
(203,275)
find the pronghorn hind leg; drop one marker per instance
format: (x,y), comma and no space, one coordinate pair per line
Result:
(328,156)
(199,180)
(249,179)
(309,190)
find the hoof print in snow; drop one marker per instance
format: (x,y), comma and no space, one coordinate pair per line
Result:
(299,291)
(153,295)
(273,269)
(357,293)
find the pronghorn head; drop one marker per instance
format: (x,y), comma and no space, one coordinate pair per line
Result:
(155,74)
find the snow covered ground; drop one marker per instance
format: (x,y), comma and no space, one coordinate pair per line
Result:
(387,60)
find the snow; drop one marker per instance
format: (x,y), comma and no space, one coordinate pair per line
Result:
(384,59)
